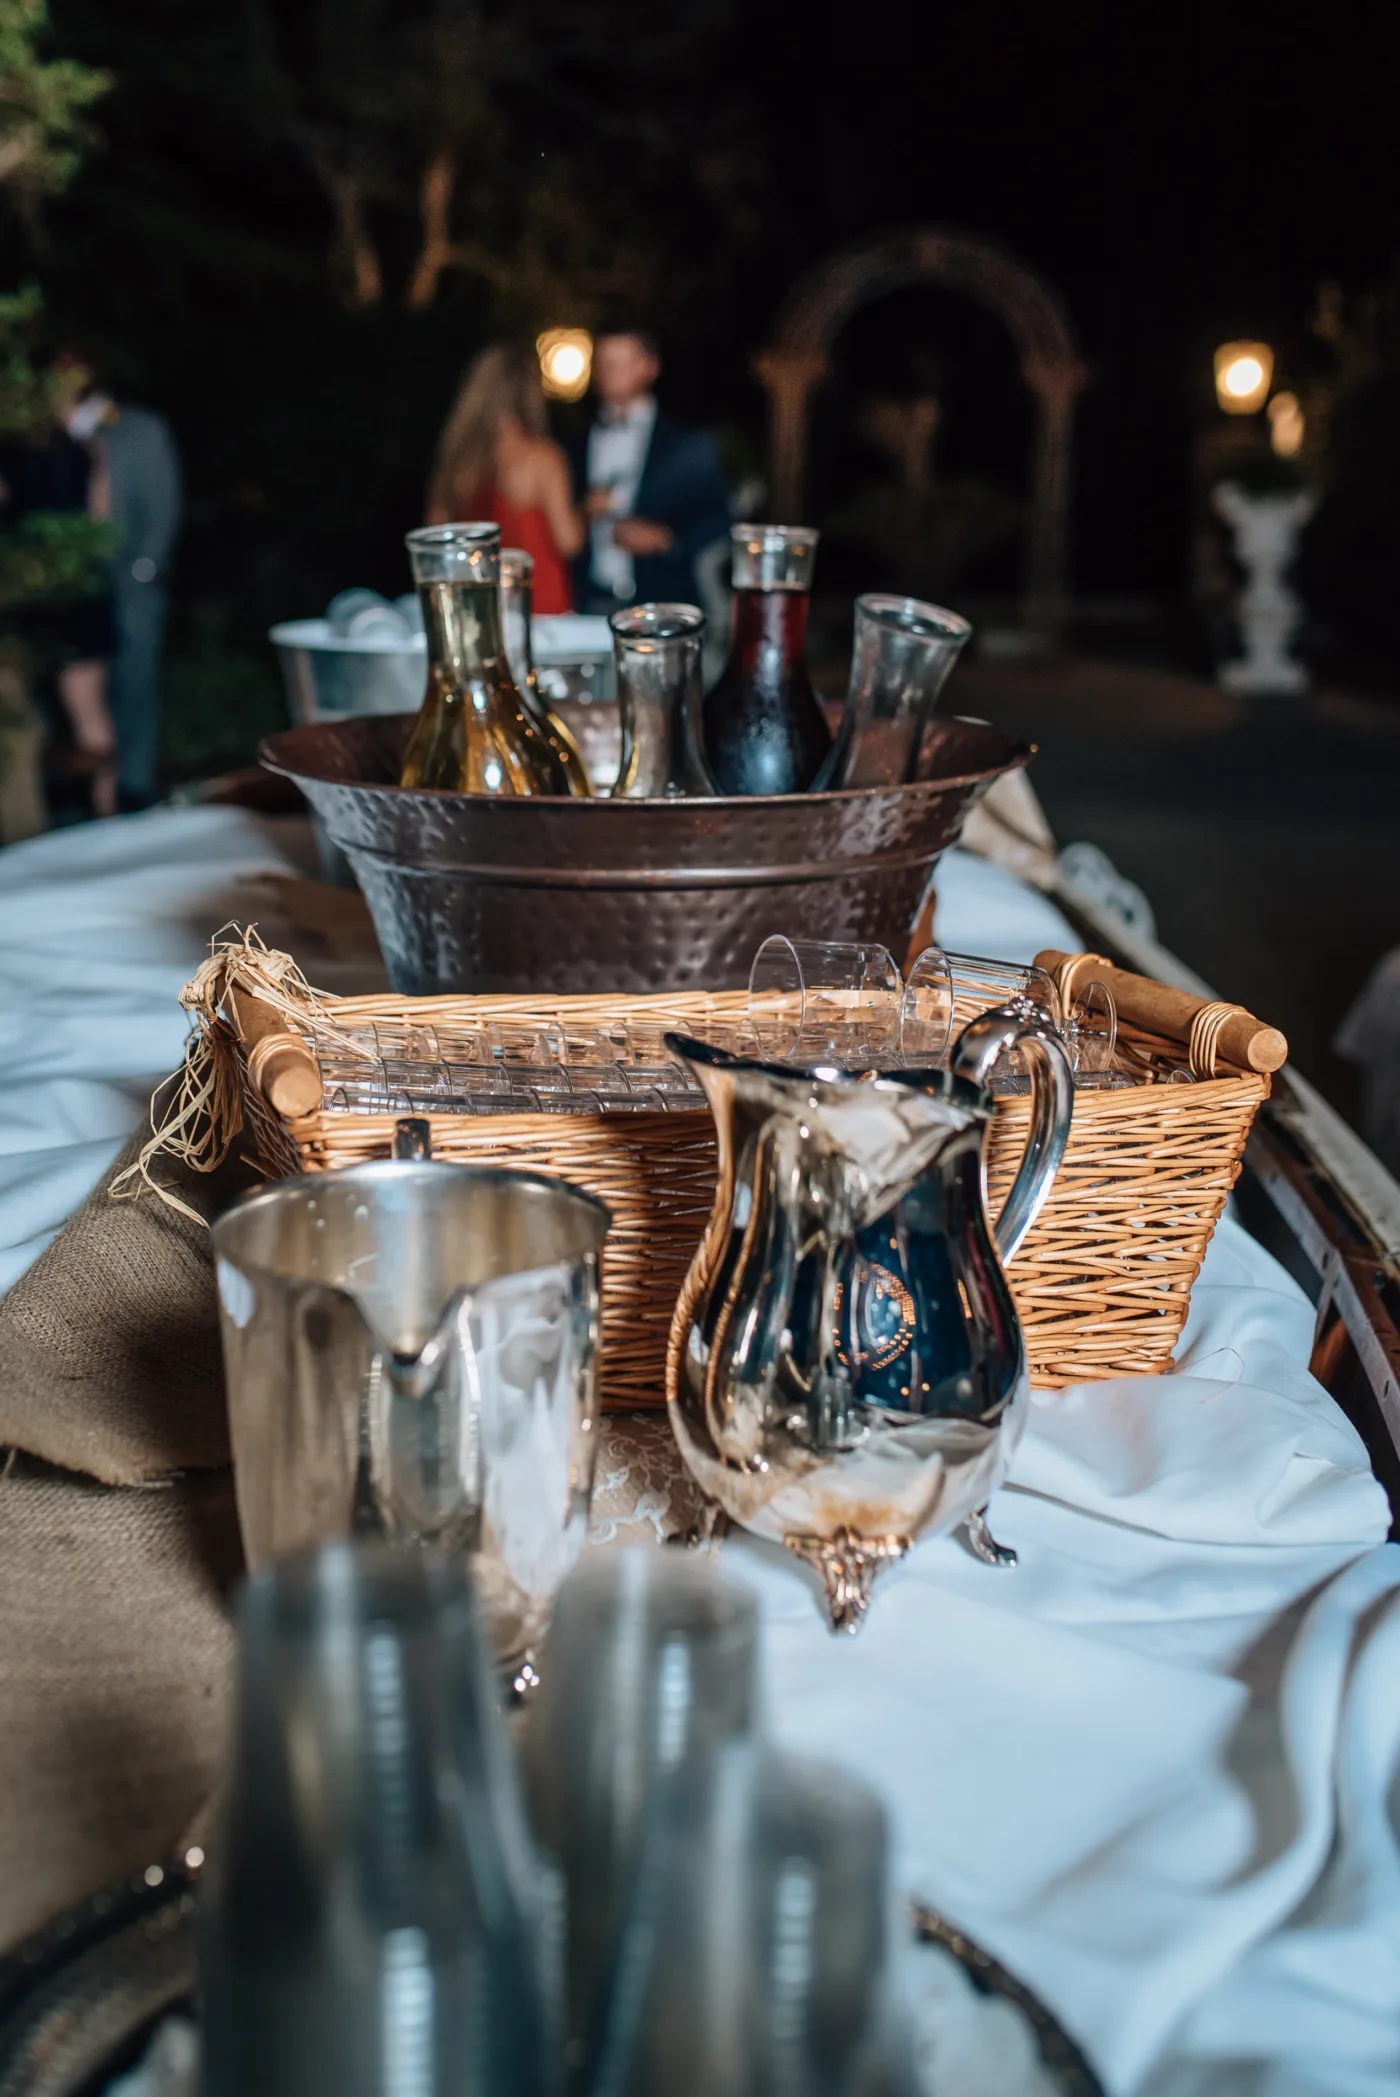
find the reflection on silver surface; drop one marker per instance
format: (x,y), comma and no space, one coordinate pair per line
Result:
(846,1369)
(411,1350)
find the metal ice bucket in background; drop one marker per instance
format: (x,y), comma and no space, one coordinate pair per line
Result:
(330,675)
(411,1350)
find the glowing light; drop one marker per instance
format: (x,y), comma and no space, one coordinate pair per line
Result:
(1288,425)
(1243,374)
(566,361)
(1241,378)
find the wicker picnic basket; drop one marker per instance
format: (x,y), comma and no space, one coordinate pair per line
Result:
(1101,1283)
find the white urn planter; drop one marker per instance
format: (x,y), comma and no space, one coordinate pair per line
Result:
(1266,530)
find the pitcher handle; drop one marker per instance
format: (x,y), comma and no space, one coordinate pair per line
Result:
(977,1048)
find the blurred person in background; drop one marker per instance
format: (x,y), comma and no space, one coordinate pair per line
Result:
(50,473)
(136,480)
(654,490)
(497,461)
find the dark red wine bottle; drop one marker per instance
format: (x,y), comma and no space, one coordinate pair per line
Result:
(763,725)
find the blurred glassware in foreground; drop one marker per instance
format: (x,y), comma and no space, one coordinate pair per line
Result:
(903,653)
(760,1965)
(649,1668)
(411,1351)
(517,627)
(474,734)
(764,728)
(823,1001)
(656,650)
(846,1369)
(370,1916)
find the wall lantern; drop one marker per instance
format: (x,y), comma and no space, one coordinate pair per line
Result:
(1244,372)
(566,362)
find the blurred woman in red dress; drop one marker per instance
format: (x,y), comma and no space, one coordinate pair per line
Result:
(496,460)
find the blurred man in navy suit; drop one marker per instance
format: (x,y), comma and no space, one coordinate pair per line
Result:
(654,490)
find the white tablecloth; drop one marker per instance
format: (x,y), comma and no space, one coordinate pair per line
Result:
(1157,1768)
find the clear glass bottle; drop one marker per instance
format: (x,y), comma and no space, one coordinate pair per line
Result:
(474,734)
(764,729)
(517,610)
(656,650)
(904,650)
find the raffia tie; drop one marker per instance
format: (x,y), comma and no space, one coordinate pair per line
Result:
(1206,1029)
(199,1119)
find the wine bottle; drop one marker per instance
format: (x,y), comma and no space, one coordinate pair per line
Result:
(474,734)
(764,729)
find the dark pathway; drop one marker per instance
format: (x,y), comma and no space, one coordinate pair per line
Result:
(1266,833)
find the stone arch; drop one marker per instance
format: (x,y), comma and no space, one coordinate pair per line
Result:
(821,303)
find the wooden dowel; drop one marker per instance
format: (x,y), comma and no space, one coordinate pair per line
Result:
(1158,1009)
(279,1063)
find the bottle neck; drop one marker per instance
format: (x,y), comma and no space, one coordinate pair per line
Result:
(769,632)
(515,631)
(462,623)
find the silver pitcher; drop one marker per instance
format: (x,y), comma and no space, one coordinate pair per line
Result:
(846,1369)
(411,1351)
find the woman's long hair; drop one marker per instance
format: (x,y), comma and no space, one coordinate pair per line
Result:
(502,382)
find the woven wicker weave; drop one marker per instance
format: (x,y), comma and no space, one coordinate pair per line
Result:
(1101,1283)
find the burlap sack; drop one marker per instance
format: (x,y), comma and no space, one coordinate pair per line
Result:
(114,1637)
(114,1659)
(109,1345)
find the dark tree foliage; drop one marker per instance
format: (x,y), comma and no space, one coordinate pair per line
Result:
(44,126)
(306,216)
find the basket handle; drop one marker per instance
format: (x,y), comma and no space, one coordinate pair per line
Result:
(280,1064)
(978,1047)
(1206,1028)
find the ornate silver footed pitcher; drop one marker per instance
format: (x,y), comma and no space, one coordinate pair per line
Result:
(846,1370)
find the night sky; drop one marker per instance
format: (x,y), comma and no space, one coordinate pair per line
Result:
(1182,174)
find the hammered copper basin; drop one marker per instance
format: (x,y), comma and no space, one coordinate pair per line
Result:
(473,893)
